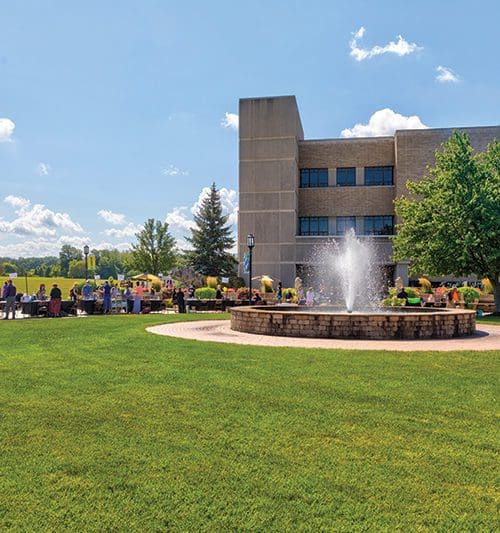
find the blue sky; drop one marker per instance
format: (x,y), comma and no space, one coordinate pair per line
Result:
(112,112)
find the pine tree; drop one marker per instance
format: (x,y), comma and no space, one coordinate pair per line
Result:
(211,239)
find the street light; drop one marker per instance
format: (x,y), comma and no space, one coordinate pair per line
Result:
(250,244)
(86,252)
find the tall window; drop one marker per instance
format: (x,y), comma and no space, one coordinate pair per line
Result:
(313,225)
(346,177)
(378,176)
(344,224)
(314,177)
(379,225)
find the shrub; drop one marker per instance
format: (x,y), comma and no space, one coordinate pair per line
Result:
(205,293)
(267,284)
(487,286)
(392,300)
(212,282)
(426,285)
(412,292)
(469,295)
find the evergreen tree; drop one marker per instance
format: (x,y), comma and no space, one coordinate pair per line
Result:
(211,239)
(155,251)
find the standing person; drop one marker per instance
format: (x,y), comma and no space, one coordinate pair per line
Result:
(55,301)
(279,292)
(87,291)
(180,301)
(139,290)
(106,304)
(191,291)
(218,293)
(310,297)
(10,300)
(129,296)
(73,293)
(4,290)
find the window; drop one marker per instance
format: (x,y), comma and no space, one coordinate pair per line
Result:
(313,225)
(379,225)
(314,177)
(346,177)
(378,176)
(344,224)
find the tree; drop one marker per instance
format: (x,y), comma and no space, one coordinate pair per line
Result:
(155,251)
(452,223)
(76,268)
(211,239)
(67,254)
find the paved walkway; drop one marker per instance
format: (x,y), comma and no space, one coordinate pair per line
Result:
(487,337)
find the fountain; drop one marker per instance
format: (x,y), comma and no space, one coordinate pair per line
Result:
(350,268)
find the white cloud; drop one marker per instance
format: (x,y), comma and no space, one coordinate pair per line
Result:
(172,170)
(111,218)
(384,122)
(400,48)
(6,129)
(43,169)
(17,202)
(230,120)
(127,231)
(36,220)
(446,75)
(177,219)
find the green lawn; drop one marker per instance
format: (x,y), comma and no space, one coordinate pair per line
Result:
(489,319)
(106,427)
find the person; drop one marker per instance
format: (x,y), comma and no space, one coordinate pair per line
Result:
(129,296)
(55,301)
(454,296)
(289,297)
(73,293)
(310,297)
(87,291)
(139,290)
(180,301)
(218,293)
(10,300)
(279,292)
(41,293)
(4,290)
(191,291)
(403,295)
(256,298)
(106,304)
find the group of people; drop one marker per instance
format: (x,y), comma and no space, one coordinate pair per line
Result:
(12,297)
(288,297)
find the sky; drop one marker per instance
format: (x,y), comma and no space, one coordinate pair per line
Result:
(115,112)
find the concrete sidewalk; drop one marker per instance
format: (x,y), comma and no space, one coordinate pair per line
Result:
(487,337)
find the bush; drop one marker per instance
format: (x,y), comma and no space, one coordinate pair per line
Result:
(212,282)
(412,292)
(469,295)
(205,293)
(392,300)
(426,286)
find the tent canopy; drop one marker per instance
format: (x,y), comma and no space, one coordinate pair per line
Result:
(147,277)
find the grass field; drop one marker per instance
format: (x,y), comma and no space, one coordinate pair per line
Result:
(106,427)
(34,282)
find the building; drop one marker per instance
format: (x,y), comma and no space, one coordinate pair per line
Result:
(295,192)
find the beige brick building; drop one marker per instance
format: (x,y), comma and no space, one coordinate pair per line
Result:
(295,193)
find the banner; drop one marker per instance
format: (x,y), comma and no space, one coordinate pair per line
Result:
(246,263)
(91,262)
(13,275)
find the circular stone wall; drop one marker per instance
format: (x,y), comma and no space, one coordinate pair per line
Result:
(403,323)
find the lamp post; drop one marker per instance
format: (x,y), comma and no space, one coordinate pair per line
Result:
(86,253)
(250,244)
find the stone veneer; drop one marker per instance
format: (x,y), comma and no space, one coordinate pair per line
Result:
(410,324)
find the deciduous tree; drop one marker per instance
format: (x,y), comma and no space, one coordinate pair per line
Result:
(155,250)
(450,222)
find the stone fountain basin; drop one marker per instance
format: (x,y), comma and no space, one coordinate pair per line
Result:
(323,322)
